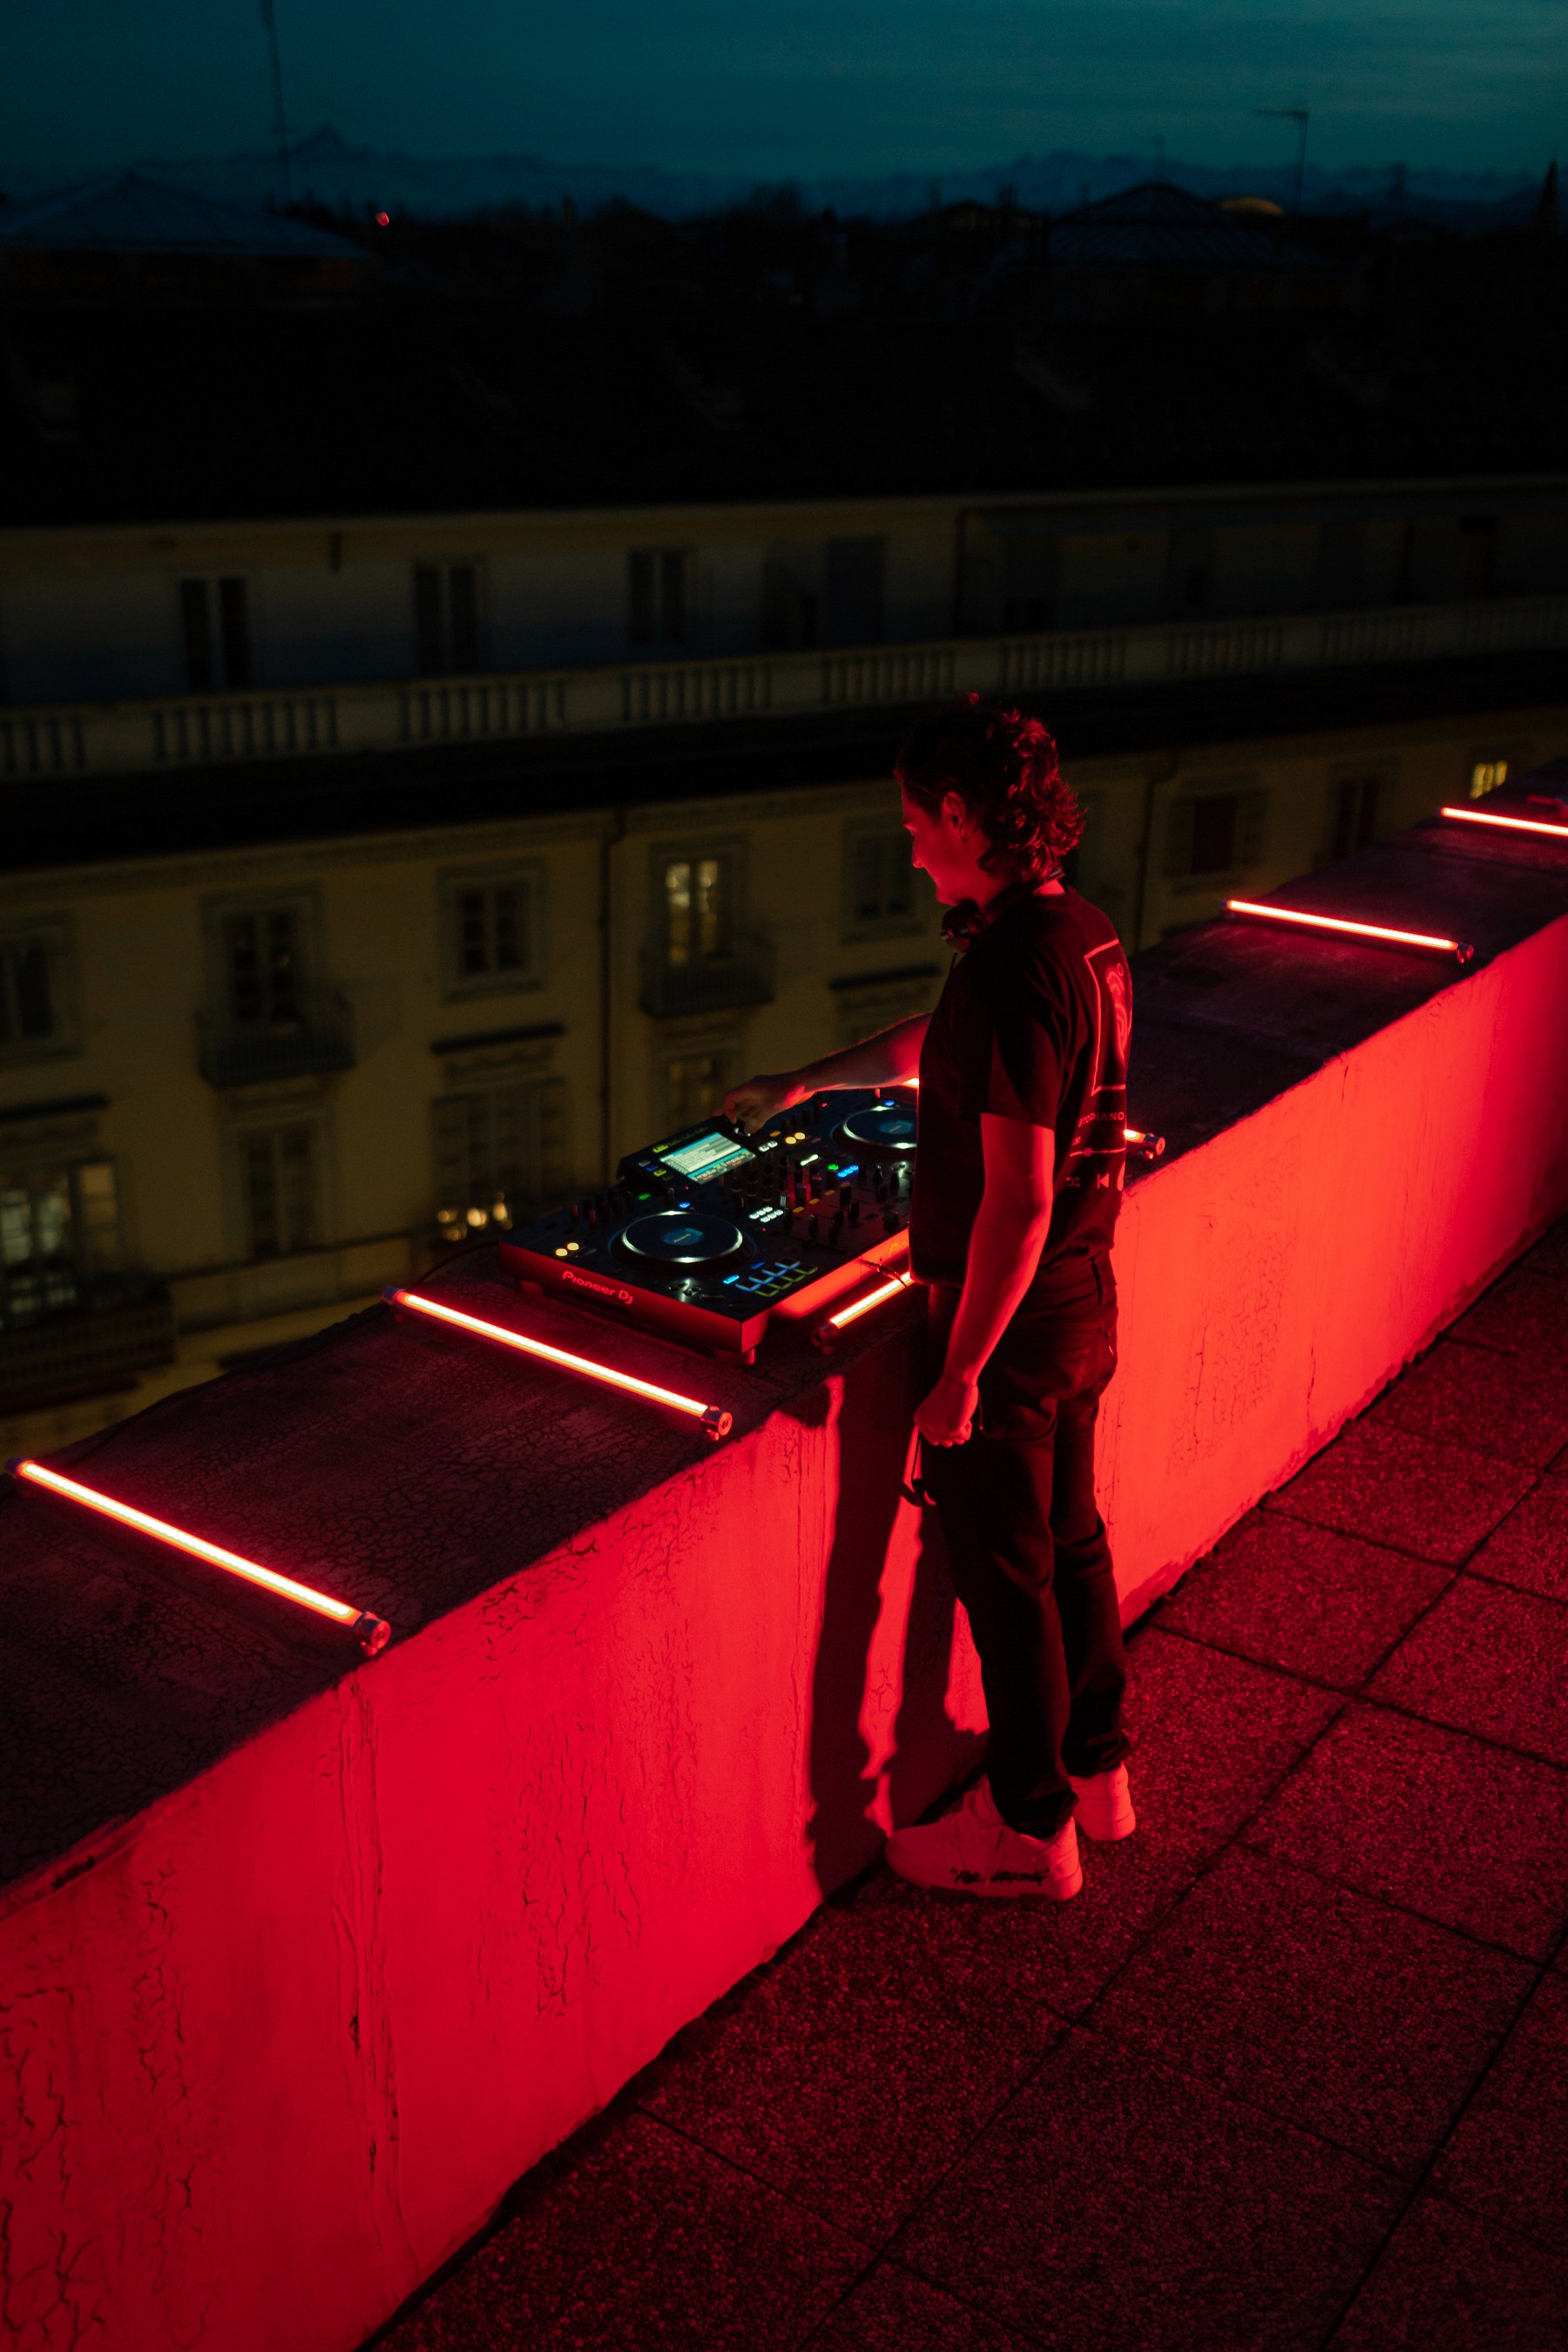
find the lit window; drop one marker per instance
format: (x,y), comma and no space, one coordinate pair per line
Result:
(59,1226)
(694,909)
(1486,776)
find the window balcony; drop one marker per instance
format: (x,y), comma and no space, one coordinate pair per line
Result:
(320,1037)
(88,1350)
(713,983)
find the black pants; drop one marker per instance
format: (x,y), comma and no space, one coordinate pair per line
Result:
(1030,1559)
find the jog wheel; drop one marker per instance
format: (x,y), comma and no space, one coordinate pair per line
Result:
(883,1130)
(680,1241)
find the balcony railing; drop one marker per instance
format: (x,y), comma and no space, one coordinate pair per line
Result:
(720,983)
(233,1053)
(207,730)
(87,1350)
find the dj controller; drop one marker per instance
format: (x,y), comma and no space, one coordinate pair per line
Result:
(710,1233)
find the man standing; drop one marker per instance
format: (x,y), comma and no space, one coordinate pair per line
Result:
(1022,1070)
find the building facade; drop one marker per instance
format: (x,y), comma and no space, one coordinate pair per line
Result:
(374,884)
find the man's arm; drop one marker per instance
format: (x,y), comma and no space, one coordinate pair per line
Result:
(890,1059)
(1005,1247)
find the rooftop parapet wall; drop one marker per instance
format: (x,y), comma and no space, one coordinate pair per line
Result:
(303,1965)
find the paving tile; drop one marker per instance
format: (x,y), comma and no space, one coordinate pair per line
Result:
(1447,2282)
(892,2311)
(935,2006)
(931,2026)
(1353,2019)
(639,2238)
(1412,1492)
(1524,1314)
(1471,1836)
(1303,1597)
(1488,1660)
(1115,2203)
(1530,1547)
(1508,2159)
(1513,1406)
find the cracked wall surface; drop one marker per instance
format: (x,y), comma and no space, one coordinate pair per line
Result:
(303,1961)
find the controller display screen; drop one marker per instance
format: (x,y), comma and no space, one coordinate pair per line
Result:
(706,1155)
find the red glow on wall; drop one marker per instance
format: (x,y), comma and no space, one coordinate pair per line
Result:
(713,1419)
(1342,926)
(1508,824)
(373,1633)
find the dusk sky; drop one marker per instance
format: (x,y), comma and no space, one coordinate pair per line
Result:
(813,87)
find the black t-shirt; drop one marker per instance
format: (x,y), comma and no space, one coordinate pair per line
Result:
(1032,1024)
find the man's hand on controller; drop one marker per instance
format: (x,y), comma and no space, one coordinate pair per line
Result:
(946,1417)
(754,1101)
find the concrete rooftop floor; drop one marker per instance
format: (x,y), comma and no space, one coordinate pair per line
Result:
(1292,2071)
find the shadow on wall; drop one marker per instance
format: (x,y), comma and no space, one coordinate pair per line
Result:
(884,1741)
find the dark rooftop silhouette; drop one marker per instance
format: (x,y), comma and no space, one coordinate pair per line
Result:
(529,361)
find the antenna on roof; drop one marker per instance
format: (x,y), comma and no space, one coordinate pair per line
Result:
(1299,116)
(279,118)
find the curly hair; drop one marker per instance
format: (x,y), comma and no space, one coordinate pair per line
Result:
(1004,767)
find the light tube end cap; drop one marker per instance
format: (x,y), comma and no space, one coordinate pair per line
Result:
(372,1633)
(715,1422)
(1463,951)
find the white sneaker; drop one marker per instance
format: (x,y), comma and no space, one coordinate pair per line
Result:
(1105,1805)
(972,1851)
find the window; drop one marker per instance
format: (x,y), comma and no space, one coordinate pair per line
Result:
(791,606)
(492,930)
(59,1228)
(880,882)
(37,997)
(447,619)
(1355,807)
(497,1150)
(697,908)
(279,1173)
(264,985)
(1486,776)
(657,596)
(856,568)
(695,1083)
(1215,832)
(215,627)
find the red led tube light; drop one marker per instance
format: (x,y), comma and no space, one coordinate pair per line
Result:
(373,1633)
(830,1331)
(1458,949)
(711,1418)
(1509,824)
